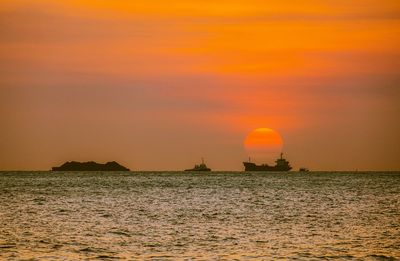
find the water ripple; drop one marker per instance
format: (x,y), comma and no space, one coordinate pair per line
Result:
(217,216)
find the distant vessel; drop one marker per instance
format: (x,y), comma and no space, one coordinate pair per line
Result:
(304,169)
(281,165)
(200,167)
(90,166)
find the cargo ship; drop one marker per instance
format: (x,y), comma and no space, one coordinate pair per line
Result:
(281,165)
(200,167)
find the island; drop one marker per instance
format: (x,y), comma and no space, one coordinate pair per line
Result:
(90,166)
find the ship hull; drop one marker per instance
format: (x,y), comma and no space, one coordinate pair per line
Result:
(249,166)
(197,169)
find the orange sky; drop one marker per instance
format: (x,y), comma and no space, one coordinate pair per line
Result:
(159,84)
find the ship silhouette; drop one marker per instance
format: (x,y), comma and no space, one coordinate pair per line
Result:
(281,165)
(200,167)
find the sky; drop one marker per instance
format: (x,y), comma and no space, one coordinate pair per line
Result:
(157,85)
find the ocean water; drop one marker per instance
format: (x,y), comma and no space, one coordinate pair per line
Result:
(199,216)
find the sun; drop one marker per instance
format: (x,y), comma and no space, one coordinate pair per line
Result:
(263,143)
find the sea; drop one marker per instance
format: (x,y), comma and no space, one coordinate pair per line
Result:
(199,216)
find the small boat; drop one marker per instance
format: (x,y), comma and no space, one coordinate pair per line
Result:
(304,170)
(200,167)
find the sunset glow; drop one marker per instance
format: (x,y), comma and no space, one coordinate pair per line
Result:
(199,129)
(83,75)
(263,138)
(263,144)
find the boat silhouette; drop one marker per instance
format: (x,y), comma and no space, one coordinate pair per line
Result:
(200,167)
(281,165)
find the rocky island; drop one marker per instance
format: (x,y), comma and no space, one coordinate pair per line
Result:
(90,166)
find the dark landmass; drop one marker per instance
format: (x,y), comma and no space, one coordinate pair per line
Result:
(90,166)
